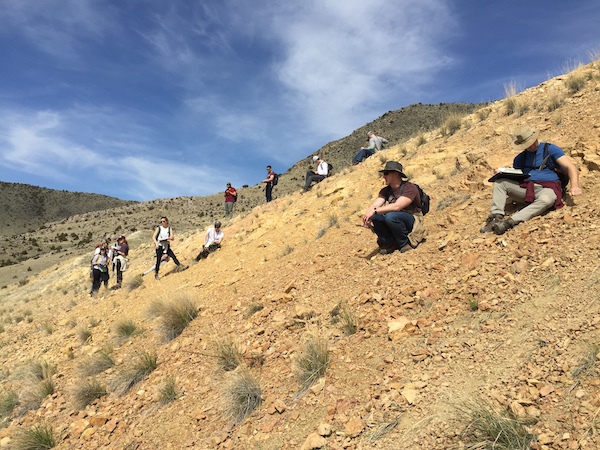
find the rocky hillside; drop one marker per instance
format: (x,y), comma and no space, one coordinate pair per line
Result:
(301,336)
(44,225)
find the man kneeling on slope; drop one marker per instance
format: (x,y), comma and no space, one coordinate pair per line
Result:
(395,215)
(541,189)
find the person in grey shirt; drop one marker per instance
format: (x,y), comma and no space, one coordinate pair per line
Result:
(376,143)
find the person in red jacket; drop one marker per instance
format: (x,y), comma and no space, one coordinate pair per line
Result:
(230,199)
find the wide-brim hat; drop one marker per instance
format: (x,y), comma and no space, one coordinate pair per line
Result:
(523,138)
(393,166)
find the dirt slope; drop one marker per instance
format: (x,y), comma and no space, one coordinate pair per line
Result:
(508,319)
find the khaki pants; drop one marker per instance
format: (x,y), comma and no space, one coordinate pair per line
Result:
(544,199)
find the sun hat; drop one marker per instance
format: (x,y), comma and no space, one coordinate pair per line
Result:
(120,237)
(315,158)
(523,138)
(393,166)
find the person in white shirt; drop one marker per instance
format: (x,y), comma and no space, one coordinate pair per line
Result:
(162,238)
(322,173)
(212,241)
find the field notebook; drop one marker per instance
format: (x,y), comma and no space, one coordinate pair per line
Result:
(509,173)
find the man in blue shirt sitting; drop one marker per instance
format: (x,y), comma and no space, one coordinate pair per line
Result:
(541,189)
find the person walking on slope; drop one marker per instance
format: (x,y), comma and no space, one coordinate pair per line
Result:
(269,183)
(395,215)
(376,143)
(230,199)
(322,173)
(212,241)
(541,187)
(162,238)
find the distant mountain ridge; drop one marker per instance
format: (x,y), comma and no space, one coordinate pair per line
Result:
(26,207)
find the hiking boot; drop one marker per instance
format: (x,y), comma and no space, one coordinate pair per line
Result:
(388,250)
(490,221)
(503,226)
(156,277)
(406,248)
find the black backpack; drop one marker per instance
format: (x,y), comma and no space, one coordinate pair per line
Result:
(275,179)
(425,199)
(329,169)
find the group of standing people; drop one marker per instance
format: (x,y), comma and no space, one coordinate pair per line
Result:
(103,258)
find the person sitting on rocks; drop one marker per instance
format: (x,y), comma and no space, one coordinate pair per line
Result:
(212,241)
(540,190)
(395,215)
(376,143)
(322,173)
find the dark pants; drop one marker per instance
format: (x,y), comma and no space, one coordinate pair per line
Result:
(99,278)
(160,251)
(362,155)
(393,228)
(205,251)
(119,272)
(311,178)
(269,192)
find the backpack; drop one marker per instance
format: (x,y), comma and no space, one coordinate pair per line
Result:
(329,169)
(275,179)
(234,195)
(425,199)
(551,164)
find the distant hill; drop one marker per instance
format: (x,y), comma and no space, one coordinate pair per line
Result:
(26,208)
(396,126)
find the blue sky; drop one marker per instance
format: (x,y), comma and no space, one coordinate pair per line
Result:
(146,99)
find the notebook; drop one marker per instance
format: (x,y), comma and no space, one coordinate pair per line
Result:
(509,173)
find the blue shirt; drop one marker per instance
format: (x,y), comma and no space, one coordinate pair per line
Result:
(529,162)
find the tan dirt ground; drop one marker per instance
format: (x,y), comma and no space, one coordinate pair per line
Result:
(508,319)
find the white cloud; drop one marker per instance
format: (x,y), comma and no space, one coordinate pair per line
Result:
(344,57)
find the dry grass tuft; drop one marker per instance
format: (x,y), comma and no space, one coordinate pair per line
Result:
(168,391)
(175,315)
(229,354)
(574,83)
(451,125)
(242,395)
(97,363)
(9,400)
(135,282)
(313,362)
(589,361)
(86,391)
(125,329)
(491,429)
(142,366)
(345,318)
(38,437)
